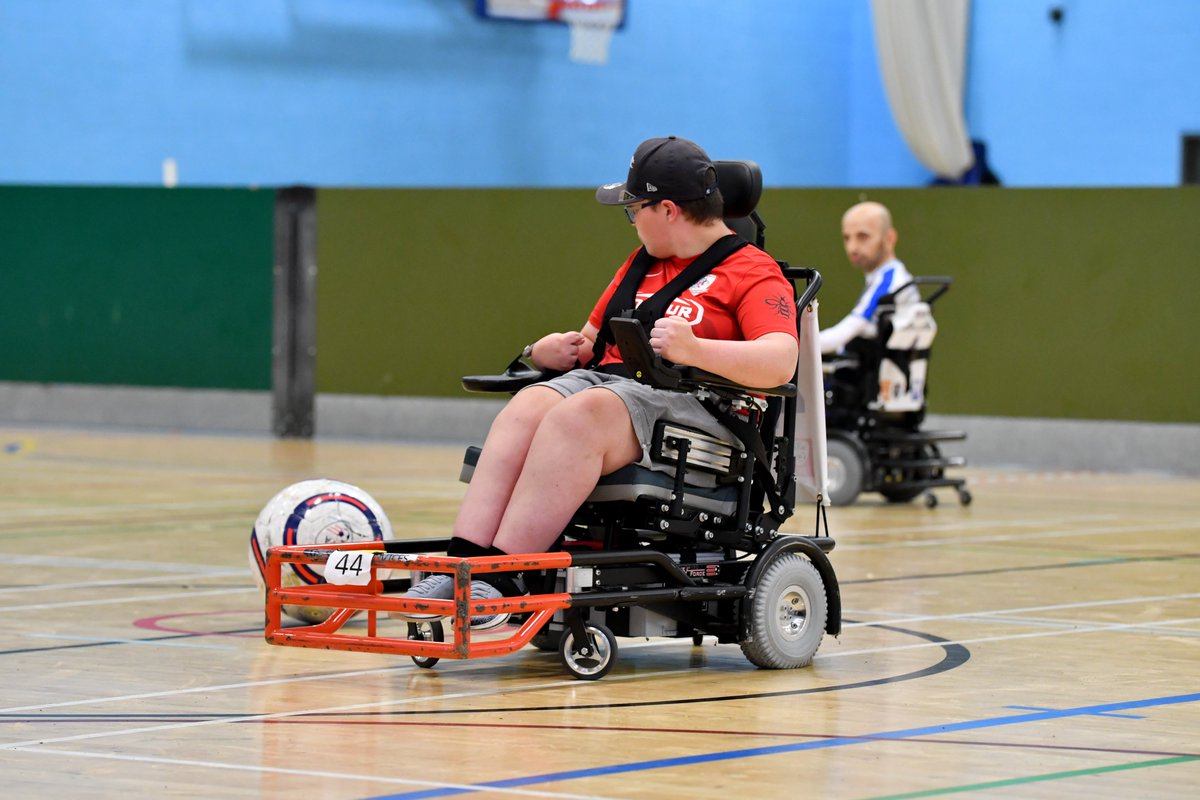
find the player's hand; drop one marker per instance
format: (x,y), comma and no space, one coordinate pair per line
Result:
(560,351)
(673,339)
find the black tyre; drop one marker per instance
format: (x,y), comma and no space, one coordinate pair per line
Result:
(545,640)
(904,492)
(592,659)
(900,494)
(430,631)
(845,471)
(787,612)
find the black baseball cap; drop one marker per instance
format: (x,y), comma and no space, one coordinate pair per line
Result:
(666,168)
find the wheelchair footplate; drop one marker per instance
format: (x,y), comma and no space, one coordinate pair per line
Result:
(579,596)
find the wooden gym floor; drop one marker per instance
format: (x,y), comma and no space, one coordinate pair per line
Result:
(1042,642)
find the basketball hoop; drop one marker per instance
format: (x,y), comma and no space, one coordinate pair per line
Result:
(592,23)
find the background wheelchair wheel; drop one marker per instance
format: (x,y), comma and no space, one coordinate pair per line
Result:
(900,494)
(545,640)
(787,614)
(600,655)
(430,631)
(904,491)
(845,470)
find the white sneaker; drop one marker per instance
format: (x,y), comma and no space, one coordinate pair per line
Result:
(441,587)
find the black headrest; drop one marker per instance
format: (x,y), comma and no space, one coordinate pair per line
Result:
(741,186)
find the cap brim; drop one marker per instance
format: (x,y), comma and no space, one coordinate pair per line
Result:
(615,194)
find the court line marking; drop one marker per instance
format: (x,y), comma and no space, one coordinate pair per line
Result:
(954,525)
(1047,776)
(62,587)
(441,788)
(108,564)
(793,747)
(228,590)
(1182,526)
(154,642)
(226,505)
(819,657)
(1034,622)
(308,773)
(334,709)
(1022,609)
(570,682)
(1015,636)
(514,783)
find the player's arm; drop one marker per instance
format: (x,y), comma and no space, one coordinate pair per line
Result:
(834,339)
(769,360)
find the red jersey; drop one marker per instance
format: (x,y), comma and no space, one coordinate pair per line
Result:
(742,298)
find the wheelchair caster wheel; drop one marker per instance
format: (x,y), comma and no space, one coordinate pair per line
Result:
(931,500)
(964,497)
(697,639)
(430,631)
(592,658)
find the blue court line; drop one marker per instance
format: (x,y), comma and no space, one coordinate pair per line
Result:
(1100,714)
(841,741)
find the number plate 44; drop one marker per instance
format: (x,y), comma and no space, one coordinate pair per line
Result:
(349,567)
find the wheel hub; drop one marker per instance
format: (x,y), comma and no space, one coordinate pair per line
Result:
(792,612)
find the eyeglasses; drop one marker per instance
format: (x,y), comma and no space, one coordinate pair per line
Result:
(632,210)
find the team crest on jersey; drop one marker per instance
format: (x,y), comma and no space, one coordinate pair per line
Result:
(701,286)
(680,307)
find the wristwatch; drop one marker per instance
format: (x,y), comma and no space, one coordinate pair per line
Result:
(528,351)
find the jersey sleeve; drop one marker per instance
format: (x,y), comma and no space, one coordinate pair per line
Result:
(767,304)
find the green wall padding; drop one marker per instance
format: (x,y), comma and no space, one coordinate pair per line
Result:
(140,287)
(418,288)
(1067,303)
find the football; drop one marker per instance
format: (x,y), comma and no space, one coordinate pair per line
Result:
(319,511)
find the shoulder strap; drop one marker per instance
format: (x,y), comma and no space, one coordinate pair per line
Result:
(622,301)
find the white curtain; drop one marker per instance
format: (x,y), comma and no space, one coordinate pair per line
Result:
(922,47)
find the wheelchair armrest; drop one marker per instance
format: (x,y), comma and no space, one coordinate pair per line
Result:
(517,376)
(648,367)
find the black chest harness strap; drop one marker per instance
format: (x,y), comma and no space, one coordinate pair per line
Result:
(622,302)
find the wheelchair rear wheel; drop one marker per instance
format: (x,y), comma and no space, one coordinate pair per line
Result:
(787,614)
(845,471)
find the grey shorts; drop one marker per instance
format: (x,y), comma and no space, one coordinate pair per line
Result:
(646,406)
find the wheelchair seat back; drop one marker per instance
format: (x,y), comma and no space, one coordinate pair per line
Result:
(904,361)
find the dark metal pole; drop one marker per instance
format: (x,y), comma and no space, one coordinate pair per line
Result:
(294,343)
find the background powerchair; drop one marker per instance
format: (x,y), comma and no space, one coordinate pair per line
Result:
(876,401)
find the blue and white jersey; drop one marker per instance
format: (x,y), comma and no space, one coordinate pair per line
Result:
(860,322)
(882,281)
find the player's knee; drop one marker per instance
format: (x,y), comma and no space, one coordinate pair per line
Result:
(591,415)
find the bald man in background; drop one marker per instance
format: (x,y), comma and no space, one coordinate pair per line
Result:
(870,242)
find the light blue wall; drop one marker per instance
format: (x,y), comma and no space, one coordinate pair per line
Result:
(423,92)
(1101,98)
